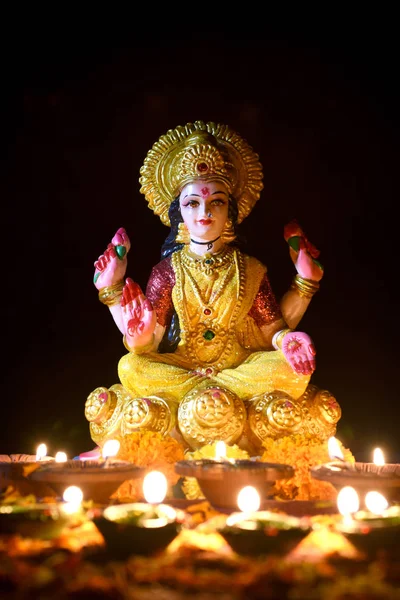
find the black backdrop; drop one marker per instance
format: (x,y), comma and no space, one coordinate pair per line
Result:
(78,119)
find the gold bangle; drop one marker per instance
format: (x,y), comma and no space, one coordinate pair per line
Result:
(305,287)
(278,338)
(140,349)
(111,294)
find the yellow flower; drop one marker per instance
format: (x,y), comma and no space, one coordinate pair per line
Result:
(190,487)
(149,449)
(302,453)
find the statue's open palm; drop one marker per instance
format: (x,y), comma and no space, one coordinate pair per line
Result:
(299,351)
(138,316)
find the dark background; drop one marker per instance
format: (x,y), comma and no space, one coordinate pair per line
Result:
(78,117)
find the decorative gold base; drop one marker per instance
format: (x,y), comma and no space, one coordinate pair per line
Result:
(315,414)
(209,413)
(114,413)
(153,413)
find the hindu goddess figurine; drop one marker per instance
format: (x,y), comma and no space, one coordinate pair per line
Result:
(210,352)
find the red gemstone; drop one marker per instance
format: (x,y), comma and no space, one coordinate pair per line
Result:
(202,167)
(209,371)
(207,311)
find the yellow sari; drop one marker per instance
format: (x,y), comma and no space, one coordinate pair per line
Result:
(221,342)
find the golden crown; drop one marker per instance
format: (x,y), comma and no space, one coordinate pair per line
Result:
(199,150)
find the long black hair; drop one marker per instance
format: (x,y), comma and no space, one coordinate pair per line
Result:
(171,336)
(175,218)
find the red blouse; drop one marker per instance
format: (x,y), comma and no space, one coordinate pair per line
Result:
(265,308)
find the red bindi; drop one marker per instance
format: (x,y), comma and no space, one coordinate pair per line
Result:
(205,191)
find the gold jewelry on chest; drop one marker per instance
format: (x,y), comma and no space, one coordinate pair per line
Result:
(208,298)
(207,277)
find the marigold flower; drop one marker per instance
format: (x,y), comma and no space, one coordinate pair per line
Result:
(149,449)
(302,453)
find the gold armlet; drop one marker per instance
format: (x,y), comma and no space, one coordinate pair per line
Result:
(305,287)
(278,338)
(140,349)
(111,294)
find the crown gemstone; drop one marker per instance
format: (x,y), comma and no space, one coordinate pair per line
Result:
(202,167)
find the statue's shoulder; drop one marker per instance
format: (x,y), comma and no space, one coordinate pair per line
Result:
(253,264)
(162,269)
(163,264)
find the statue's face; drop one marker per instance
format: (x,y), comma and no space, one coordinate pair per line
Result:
(204,209)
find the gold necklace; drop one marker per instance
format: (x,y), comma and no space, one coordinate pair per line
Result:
(207,328)
(212,291)
(208,263)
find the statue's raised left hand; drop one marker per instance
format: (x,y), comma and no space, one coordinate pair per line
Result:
(303,253)
(138,316)
(299,351)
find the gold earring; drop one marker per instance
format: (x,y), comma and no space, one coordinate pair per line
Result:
(228,233)
(183,235)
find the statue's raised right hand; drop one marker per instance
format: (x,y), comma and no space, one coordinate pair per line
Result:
(138,316)
(110,267)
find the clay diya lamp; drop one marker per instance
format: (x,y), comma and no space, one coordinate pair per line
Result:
(140,528)
(372,531)
(221,480)
(255,532)
(14,470)
(42,521)
(98,479)
(362,476)
(264,532)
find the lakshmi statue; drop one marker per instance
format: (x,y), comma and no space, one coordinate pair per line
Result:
(211,354)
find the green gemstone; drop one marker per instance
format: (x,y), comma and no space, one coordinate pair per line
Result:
(294,242)
(121,251)
(208,335)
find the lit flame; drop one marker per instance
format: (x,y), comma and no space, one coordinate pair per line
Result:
(334,449)
(376,503)
(379,458)
(41,451)
(155,486)
(220,450)
(60,457)
(110,448)
(348,501)
(73,493)
(72,497)
(248,499)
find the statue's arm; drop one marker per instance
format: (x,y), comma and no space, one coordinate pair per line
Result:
(296,346)
(266,312)
(293,306)
(304,254)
